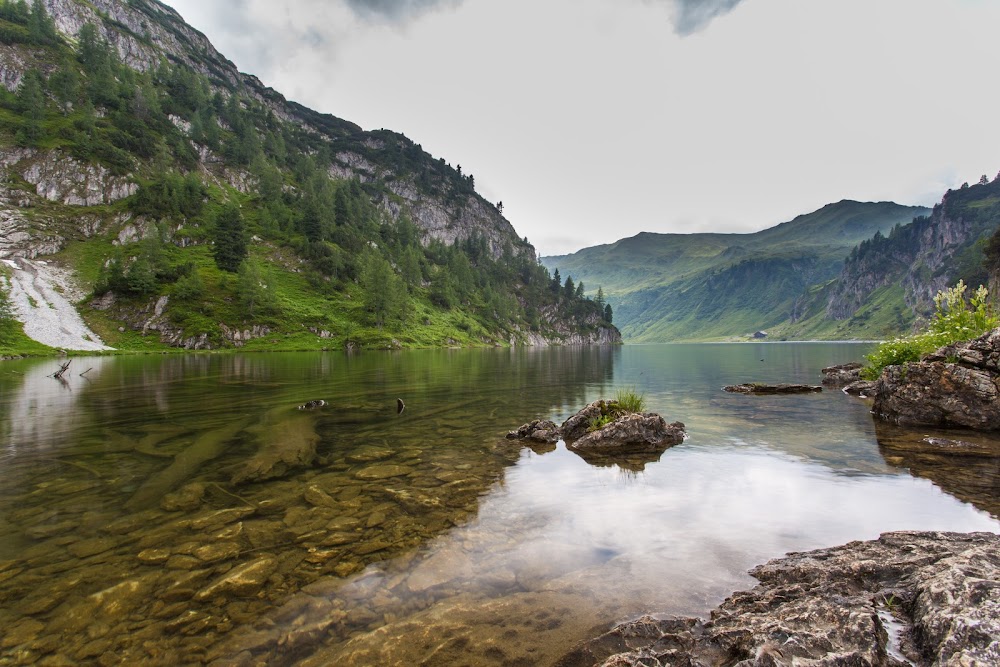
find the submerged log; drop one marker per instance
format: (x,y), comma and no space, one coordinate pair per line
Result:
(207,446)
(287,440)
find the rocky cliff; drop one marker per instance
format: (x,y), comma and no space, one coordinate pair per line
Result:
(929,254)
(144,32)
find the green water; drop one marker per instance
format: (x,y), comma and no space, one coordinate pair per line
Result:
(181,510)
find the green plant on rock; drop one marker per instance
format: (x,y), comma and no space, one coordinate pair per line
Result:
(629,400)
(956,319)
(597,422)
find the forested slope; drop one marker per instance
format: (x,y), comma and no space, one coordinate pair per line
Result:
(204,210)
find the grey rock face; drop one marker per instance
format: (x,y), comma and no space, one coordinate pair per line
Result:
(60,178)
(957,386)
(906,598)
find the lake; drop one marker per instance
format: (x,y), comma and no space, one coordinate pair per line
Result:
(165,510)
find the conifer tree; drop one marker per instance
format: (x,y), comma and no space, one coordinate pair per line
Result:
(229,238)
(31,104)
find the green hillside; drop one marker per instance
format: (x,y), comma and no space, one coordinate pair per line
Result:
(204,210)
(667,287)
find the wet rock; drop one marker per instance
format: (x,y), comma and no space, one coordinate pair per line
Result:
(631,434)
(841,374)
(216,551)
(343,523)
(441,568)
(91,547)
(861,388)
(154,556)
(182,586)
(47,530)
(412,501)
(955,386)
(182,562)
(241,581)
(374,473)
(539,430)
(338,539)
(21,633)
(578,425)
(218,519)
(835,607)
(318,497)
(264,534)
(185,499)
(758,388)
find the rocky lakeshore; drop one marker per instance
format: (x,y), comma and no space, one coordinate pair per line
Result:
(907,598)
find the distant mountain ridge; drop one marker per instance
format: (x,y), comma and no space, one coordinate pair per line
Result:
(666,287)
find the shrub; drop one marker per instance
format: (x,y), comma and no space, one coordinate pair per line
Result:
(956,319)
(629,400)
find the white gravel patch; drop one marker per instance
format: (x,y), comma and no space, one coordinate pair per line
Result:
(42,296)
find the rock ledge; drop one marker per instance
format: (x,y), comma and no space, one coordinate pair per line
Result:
(917,598)
(956,386)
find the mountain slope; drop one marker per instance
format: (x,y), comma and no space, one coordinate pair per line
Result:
(912,262)
(667,287)
(205,210)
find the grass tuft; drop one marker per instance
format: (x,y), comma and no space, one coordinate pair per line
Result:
(629,400)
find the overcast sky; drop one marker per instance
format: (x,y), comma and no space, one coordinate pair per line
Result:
(593,120)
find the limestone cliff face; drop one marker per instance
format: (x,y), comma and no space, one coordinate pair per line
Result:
(924,257)
(594,332)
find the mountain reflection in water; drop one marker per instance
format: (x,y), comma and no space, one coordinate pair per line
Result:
(421,537)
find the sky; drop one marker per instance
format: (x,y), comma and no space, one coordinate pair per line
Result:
(594,120)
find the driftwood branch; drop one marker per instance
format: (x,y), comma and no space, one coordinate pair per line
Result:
(62,369)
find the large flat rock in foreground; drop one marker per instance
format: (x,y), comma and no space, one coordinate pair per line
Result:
(906,598)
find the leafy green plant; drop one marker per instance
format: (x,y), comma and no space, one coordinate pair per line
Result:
(629,400)
(956,319)
(598,422)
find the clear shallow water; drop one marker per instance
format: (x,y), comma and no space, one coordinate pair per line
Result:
(424,537)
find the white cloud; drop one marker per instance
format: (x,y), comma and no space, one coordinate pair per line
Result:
(593,119)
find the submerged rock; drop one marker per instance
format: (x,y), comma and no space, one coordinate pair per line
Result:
(783,388)
(905,598)
(956,386)
(963,464)
(241,581)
